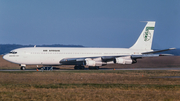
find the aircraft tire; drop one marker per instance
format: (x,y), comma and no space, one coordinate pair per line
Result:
(79,67)
(94,67)
(23,67)
(82,67)
(97,67)
(76,67)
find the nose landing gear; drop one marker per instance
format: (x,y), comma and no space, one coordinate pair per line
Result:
(23,67)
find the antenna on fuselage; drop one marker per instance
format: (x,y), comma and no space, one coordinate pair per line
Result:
(34,46)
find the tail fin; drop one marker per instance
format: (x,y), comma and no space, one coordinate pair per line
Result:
(144,41)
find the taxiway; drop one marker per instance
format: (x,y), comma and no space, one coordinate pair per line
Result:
(173,68)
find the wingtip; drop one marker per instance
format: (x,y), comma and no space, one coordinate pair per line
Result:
(172,48)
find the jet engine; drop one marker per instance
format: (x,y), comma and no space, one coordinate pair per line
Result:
(124,60)
(90,63)
(93,63)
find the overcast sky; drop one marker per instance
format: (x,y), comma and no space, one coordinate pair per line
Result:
(91,23)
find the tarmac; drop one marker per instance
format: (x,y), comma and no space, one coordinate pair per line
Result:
(173,68)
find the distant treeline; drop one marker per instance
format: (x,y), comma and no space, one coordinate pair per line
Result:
(6,48)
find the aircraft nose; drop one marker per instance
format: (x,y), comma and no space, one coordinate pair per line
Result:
(5,57)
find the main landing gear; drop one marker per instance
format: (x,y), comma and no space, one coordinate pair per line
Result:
(82,67)
(94,67)
(79,67)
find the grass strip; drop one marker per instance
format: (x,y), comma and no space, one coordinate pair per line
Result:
(121,86)
(98,71)
(91,85)
(17,72)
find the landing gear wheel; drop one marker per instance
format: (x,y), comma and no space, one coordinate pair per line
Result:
(76,67)
(79,67)
(82,67)
(94,67)
(23,67)
(97,67)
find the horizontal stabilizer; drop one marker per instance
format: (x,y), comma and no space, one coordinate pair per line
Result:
(149,55)
(152,52)
(166,55)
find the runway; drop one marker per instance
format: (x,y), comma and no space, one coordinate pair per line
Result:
(173,68)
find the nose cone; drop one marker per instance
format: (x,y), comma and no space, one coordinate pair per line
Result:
(5,57)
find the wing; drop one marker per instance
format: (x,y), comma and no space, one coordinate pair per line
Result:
(89,60)
(103,60)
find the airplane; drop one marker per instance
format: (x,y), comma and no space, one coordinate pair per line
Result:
(91,57)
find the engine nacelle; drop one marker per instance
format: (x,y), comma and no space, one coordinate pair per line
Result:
(90,63)
(94,63)
(123,60)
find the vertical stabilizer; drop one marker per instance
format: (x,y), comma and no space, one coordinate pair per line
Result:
(144,41)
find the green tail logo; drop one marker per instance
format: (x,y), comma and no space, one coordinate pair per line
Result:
(147,34)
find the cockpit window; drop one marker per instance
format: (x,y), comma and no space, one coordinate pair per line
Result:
(12,52)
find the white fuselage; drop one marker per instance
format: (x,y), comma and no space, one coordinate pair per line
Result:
(53,56)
